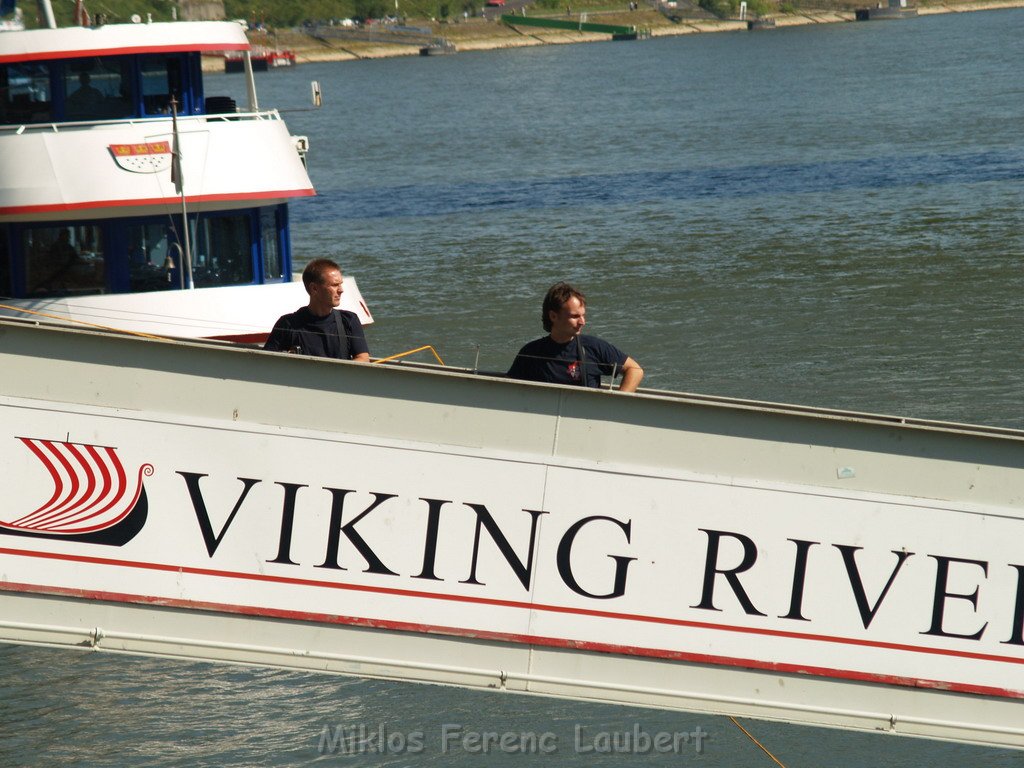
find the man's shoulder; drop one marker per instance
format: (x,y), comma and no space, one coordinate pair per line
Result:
(592,341)
(535,346)
(350,316)
(598,346)
(294,319)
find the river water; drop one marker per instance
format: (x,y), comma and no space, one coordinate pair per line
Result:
(827,215)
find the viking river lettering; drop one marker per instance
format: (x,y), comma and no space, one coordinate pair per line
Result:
(565,559)
(351,510)
(942,594)
(867,609)
(213,540)
(374,564)
(521,566)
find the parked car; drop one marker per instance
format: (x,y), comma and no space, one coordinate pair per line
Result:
(495,3)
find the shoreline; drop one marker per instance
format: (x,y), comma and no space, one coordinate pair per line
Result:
(479,35)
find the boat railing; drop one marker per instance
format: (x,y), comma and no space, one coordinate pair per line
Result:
(401,361)
(747,404)
(713,401)
(56,127)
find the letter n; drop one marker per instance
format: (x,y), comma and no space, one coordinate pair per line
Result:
(484,520)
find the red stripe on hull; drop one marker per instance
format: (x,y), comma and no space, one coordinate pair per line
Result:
(124,50)
(21,210)
(556,642)
(537,640)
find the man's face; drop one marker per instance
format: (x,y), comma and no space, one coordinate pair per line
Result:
(329,290)
(568,321)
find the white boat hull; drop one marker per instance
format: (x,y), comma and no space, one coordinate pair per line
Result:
(73,172)
(670,551)
(242,313)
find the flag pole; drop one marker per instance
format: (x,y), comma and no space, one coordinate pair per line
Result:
(179,187)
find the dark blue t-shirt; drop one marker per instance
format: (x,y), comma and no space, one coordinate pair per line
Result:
(584,358)
(318,336)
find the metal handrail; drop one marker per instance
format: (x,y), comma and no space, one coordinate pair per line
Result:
(20,128)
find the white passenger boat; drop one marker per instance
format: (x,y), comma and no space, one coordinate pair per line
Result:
(97,176)
(658,549)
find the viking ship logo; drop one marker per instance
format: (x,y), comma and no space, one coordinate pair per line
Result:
(94,500)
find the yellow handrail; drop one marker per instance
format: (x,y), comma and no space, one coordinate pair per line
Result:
(81,322)
(410,352)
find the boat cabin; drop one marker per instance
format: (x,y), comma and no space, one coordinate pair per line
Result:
(91,195)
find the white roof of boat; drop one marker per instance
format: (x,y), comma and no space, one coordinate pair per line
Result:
(119,39)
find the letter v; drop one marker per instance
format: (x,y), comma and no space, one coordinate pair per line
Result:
(867,613)
(192,481)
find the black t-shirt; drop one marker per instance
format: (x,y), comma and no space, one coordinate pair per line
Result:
(582,358)
(318,336)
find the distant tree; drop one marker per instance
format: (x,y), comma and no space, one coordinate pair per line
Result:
(718,7)
(370,9)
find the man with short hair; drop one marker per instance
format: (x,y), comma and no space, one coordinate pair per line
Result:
(317,329)
(565,355)
(86,100)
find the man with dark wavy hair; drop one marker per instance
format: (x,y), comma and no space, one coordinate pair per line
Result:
(566,355)
(319,329)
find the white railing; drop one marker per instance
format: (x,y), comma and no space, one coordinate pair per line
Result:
(56,127)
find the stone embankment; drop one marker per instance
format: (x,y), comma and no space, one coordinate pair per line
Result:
(479,34)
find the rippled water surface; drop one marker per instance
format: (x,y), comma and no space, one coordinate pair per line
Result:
(828,215)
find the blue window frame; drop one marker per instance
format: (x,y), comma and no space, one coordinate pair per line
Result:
(100,88)
(163,76)
(5,262)
(144,254)
(25,93)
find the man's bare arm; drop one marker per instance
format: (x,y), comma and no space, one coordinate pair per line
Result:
(632,374)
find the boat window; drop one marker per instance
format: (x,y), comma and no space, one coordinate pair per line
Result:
(98,88)
(25,94)
(272,268)
(5,264)
(161,79)
(223,251)
(63,261)
(151,262)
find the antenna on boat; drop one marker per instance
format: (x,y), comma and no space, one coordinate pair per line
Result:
(46,13)
(179,186)
(250,81)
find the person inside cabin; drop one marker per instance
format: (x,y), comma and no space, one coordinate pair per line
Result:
(319,329)
(566,355)
(62,262)
(86,101)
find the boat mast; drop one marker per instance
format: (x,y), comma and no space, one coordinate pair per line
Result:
(46,13)
(179,186)
(250,82)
